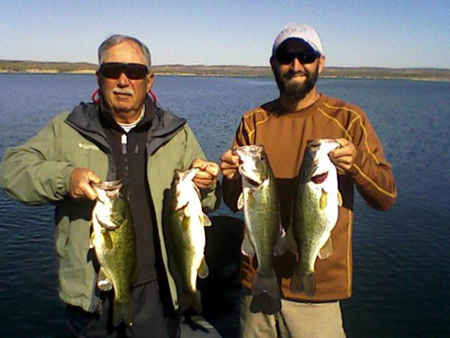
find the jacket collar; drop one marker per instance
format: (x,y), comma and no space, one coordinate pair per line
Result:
(87,118)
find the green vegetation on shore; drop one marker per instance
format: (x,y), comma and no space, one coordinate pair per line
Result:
(426,74)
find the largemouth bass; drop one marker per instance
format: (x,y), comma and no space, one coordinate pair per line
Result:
(187,222)
(259,201)
(315,212)
(113,238)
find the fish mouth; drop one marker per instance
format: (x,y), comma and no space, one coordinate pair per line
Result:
(183,207)
(246,176)
(108,226)
(317,179)
(111,190)
(252,182)
(109,185)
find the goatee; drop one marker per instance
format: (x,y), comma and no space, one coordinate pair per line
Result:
(294,90)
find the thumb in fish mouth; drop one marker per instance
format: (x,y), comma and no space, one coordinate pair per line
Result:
(205,165)
(213,170)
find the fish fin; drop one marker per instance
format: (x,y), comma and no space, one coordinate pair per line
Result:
(303,283)
(240,202)
(123,311)
(203,270)
(281,245)
(205,220)
(91,240)
(104,283)
(323,200)
(185,300)
(290,240)
(265,183)
(266,294)
(247,247)
(191,300)
(117,220)
(339,198)
(197,302)
(327,249)
(185,223)
(260,186)
(107,240)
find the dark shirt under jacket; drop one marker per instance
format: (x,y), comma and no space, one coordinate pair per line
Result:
(131,162)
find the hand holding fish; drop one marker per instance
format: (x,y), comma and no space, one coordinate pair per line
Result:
(80,183)
(230,165)
(208,174)
(344,156)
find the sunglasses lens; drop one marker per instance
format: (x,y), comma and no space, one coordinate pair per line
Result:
(111,70)
(307,57)
(134,71)
(287,58)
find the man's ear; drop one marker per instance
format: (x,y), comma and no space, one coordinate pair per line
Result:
(321,63)
(272,63)
(151,78)
(98,79)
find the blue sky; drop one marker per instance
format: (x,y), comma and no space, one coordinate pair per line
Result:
(378,33)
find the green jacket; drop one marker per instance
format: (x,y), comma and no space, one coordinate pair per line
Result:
(38,172)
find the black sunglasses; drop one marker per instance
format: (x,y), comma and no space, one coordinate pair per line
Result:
(286,58)
(133,71)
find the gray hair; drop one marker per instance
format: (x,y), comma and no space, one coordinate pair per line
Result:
(115,40)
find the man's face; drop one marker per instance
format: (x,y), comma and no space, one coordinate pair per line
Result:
(124,97)
(298,77)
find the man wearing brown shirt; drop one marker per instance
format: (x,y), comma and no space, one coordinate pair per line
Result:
(283,127)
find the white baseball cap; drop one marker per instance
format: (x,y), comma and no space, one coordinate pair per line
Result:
(299,31)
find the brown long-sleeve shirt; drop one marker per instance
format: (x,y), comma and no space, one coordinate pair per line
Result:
(284,136)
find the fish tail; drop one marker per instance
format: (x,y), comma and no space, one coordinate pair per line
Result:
(296,282)
(309,284)
(266,294)
(303,283)
(123,311)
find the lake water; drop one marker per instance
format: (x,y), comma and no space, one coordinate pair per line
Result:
(401,258)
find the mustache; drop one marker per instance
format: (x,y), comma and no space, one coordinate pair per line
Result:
(122,91)
(291,73)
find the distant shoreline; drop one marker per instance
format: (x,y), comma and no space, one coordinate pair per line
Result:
(417,74)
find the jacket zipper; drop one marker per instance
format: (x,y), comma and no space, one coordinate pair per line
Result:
(124,140)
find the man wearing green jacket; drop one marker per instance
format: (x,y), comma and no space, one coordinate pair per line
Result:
(124,136)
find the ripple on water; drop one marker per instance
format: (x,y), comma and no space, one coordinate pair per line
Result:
(401,264)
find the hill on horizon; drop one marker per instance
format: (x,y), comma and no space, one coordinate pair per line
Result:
(431,74)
